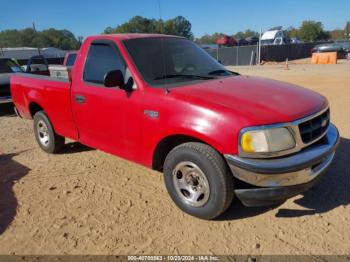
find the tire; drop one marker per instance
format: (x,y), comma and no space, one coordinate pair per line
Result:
(45,135)
(198,180)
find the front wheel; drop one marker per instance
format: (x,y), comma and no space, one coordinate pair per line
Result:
(198,180)
(45,135)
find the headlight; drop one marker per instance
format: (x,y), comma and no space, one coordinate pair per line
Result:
(267,140)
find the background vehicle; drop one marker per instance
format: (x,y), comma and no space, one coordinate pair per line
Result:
(252,40)
(38,65)
(226,41)
(345,44)
(163,102)
(242,42)
(274,37)
(7,68)
(296,40)
(330,47)
(208,46)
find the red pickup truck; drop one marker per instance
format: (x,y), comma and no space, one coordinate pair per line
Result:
(163,102)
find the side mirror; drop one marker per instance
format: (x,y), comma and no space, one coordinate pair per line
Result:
(114,78)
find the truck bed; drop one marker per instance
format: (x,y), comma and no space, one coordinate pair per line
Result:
(33,92)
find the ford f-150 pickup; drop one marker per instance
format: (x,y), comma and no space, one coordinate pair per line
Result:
(163,102)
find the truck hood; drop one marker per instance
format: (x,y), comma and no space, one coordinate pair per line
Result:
(259,100)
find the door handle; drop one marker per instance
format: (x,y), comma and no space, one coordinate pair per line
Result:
(80,99)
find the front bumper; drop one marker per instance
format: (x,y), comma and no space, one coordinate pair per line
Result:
(275,180)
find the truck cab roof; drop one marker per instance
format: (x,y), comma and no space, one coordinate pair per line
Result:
(272,34)
(131,36)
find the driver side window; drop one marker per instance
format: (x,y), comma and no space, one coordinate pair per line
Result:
(101,59)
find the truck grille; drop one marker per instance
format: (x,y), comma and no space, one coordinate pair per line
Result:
(314,128)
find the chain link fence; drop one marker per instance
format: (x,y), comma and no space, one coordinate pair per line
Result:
(249,55)
(237,55)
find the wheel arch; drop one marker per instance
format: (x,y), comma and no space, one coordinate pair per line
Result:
(166,144)
(34,107)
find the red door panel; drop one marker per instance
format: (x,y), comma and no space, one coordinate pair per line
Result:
(108,119)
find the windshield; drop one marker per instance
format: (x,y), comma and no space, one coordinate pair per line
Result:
(172,60)
(278,41)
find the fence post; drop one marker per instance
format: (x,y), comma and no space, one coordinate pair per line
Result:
(259,52)
(251,57)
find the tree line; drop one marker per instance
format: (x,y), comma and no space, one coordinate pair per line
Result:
(179,26)
(308,31)
(314,31)
(211,38)
(29,37)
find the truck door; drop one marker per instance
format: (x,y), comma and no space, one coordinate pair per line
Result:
(107,118)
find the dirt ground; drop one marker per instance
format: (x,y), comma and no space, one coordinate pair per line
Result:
(84,201)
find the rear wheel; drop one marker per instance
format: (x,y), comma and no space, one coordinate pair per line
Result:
(198,180)
(45,135)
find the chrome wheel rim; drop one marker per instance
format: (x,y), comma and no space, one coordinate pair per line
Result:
(191,184)
(43,133)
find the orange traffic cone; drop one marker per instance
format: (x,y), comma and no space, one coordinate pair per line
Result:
(286,65)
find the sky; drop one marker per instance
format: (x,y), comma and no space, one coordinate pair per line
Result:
(89,17)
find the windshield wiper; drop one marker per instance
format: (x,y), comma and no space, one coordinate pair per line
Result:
(183,76)
(221,71)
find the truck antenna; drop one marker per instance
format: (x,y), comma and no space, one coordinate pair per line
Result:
(166,90)
(35,32)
